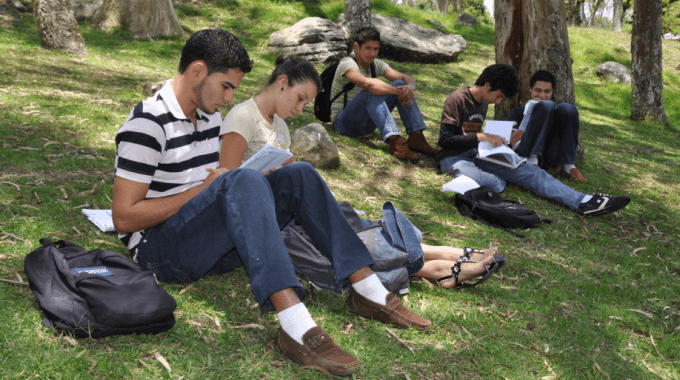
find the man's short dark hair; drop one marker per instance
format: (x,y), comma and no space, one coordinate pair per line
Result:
(219,49)
(367,33)
(543,76)
(500,77)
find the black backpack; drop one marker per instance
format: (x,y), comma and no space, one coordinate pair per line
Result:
(323,101)
(486,205)
(96,293)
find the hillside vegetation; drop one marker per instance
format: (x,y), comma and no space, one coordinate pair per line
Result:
(579,298)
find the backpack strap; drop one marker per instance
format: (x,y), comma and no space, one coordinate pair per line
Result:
(349,86)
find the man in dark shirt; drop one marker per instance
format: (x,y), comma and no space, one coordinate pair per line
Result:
(460,132)
(549,135)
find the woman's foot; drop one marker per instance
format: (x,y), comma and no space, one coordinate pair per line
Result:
(468,271)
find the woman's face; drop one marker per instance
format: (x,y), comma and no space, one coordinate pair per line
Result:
(292,100)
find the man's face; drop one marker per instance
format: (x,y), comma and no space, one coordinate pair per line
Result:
(541,91)
(367,52)
(491,97)
(217,89)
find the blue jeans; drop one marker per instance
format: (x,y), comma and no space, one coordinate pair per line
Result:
(236,221)
(526,175)
(463,164)
(366,112)
(552,133)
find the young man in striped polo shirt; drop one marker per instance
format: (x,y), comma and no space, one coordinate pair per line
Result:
(369,104)
(184,217)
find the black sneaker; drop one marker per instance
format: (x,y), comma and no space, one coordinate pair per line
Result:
(603,204)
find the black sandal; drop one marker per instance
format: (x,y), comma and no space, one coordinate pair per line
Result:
(498,262)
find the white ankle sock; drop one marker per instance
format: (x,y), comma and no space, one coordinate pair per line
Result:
(371,288)
(586,198)
(296,321)
(533,160)
(568,167)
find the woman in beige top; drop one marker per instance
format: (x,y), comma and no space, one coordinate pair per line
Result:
(259,121)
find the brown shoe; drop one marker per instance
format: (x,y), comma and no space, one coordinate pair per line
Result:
(393,313)
(575,174)
(399,148)
(417,143)
(319,350)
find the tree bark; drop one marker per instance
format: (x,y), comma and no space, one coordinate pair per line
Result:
(411,3)
(357,14)
(441,5)
(530,37)
(617,15)
(57,26)
(647,76)
(145,18)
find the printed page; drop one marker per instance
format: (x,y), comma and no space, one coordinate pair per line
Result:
(267,158)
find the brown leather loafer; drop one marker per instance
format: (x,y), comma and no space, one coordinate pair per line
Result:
(319,350)
(393,313)
(575,174)
(399,148)
(417,143)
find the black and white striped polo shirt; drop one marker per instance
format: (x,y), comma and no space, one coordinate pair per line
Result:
(159,145)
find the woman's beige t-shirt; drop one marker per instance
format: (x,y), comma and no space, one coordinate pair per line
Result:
(246,120)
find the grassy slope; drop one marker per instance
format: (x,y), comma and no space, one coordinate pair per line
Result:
(582,298)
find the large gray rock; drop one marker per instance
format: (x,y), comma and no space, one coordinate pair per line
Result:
(313,144)
(467,19)
(404,41)
(614,71)
(85,10)
(317,39)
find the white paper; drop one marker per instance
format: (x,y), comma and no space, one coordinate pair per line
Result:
(100,218)
(528,109)
(499,128)
(460,184)
(266,158)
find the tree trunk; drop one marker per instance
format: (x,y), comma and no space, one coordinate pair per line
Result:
(454,6)
(411,3)
(616,15)
(57,26)
(530,37)
(111,15)
(647,80)
(145,18)
(461,5)
(357,14)
(441,5)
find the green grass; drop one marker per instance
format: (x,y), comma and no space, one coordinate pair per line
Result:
(580,298)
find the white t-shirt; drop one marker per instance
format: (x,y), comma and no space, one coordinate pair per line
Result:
(246,120)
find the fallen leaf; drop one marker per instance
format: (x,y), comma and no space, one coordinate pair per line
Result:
(600,369)
(186,289)
(217,322)
(510,287)
(161,359)
(70,340)
(648,315)
(249,326)
(551,377)
(677,328)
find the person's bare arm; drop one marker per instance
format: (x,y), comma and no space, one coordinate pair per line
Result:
(131,212)
(233,148)
(410,84)
(373,85)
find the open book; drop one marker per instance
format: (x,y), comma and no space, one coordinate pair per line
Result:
(267,158)
(503,154)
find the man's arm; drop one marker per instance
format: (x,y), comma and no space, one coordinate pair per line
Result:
(131,212)
(409,88)
(373,85)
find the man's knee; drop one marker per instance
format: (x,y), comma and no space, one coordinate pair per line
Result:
(398,83)
(567,109)
(544,106)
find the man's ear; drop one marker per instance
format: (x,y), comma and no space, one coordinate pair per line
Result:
(197,69)
(356,46)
